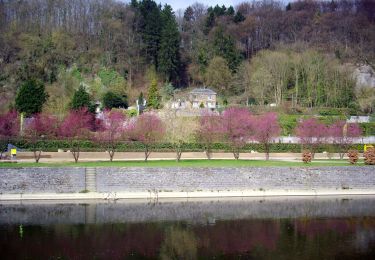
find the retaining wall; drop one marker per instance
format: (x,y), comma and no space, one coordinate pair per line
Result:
(141,179)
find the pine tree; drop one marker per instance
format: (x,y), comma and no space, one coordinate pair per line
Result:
(153,95)
(169,55)
(150,29)
(225,47)
(81,99)
(31,97)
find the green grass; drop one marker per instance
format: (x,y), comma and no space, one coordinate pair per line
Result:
(182,163)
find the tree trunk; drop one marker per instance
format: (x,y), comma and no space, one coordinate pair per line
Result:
(208,153)
(111,155)
(147,153)
(178,155)
(267,150)
(37,155)
(236,154)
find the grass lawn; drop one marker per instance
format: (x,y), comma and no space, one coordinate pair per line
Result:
(183,163)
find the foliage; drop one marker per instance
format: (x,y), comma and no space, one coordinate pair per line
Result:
(179,131)
(306,156)
(353,156)
(75,127)
(41,127)
(343,135)
(369,156)
(311,133)
(112,132)
(81,99)
(218,75)
(210,131)
(147,129)
(153,98)
(113,81)
(31,97)
(113,100)
(224,46)
(266,128)
(238,125)
(9,128)
(169,52)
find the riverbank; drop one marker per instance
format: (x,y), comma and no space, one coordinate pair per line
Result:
(156,196)
(112,183)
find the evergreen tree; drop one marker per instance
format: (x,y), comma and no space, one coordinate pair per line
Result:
(230,11)
(31,97)
(140,99)
(225,47)
(81,99)
(169,56)
(113,100)
(150,28)
(239,17)
(153,95)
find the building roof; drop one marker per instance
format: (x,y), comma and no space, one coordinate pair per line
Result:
(203,91)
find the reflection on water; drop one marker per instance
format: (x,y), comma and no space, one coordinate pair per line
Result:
(329,228)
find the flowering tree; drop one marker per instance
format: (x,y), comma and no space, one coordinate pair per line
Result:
(343,135)
(111,131)
(9,128)
(311,133)
(210,130)
(147,129)
(237,123)
(74,128)
(42,126)
(266,128)
(179,130)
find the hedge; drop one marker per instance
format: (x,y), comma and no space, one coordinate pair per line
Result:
(89,146)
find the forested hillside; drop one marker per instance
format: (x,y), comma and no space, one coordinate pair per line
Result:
(302,53)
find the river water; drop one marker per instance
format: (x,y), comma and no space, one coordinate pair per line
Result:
(257,228)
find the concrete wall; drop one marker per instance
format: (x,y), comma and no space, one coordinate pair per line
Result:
(141,179)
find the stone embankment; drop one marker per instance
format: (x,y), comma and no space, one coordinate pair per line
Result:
(146,182)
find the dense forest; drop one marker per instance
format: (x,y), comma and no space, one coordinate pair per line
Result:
(302,53)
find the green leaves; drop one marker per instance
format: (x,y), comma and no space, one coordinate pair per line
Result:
(31,97)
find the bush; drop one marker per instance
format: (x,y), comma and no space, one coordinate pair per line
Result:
(113,100)
(370,156)
(353,156)
(332,111)
(87,145)
(368,128)
(306,156)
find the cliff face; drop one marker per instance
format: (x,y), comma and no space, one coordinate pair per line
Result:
(364,76)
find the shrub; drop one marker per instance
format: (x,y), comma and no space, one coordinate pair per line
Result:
(369,156)
(306,156)
(353,156)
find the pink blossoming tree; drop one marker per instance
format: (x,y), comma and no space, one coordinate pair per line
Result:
(111,131)
(266,128)
(76,127)
(311,134)
(147,129)
(210,131)
(237,125)
(9,128)
(343,135)
(42,127)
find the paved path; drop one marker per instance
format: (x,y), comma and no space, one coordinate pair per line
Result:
(139,156)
